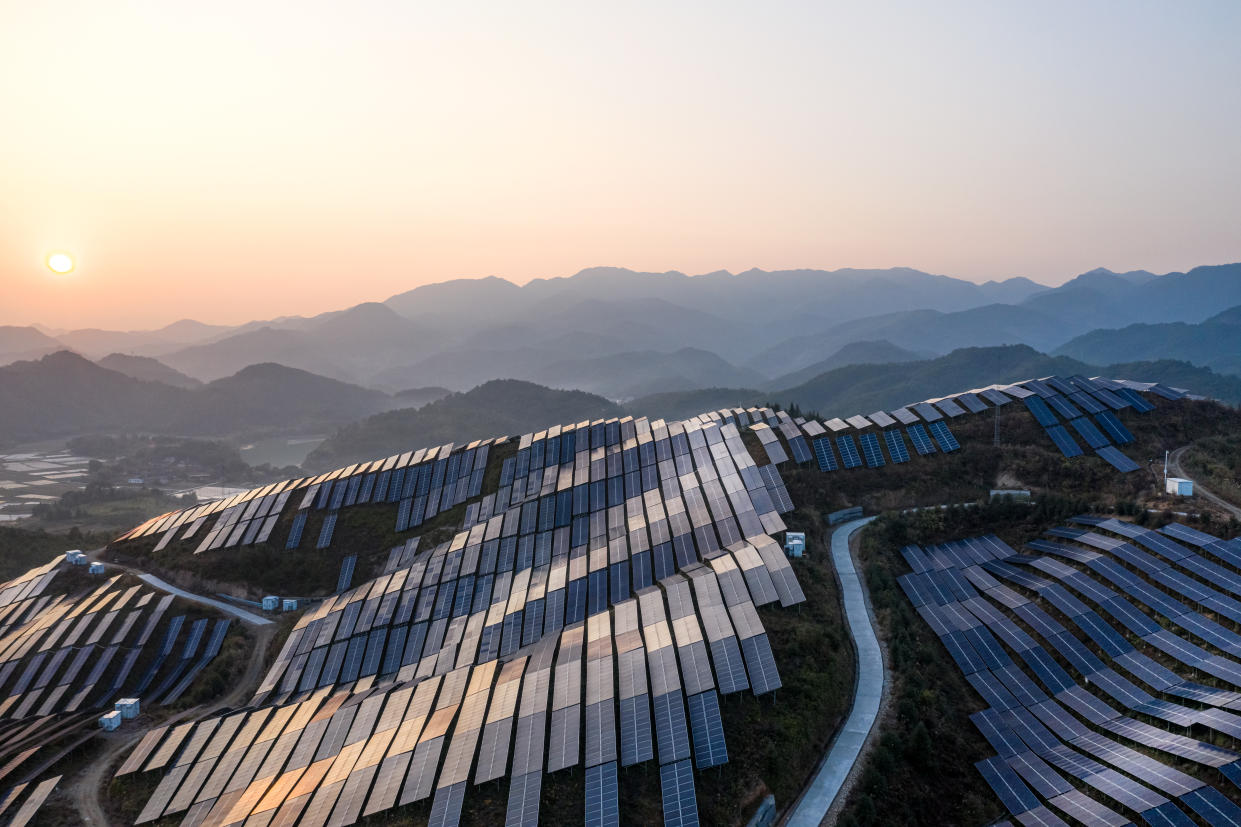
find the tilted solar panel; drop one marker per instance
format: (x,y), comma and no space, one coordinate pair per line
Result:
(921,439)
(848,451)
(1114,428)
(897,449)
(871,450)
(1063,441)
(1093,436)
(824,454)
(1042,414)
(943,436)
(1118,460)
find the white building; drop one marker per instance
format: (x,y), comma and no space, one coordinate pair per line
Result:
(1179,487)
(271,603)
(110,721)
(128,707)
(794,543)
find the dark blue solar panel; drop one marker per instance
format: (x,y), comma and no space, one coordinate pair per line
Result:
(848,451)
(710,750)
(1117,460)
(1114,428)
(402,514)
(325,534)
(871,450)
(680,802)
(800,452)
(897,449)
(1063,441)
(1135,399)
(921,439)
(1093,436)
(1012,791)
(671,731)
(1211,804)
(295,531)
(602,802)
(635,730)
(1042,413)
(824,454)
(1087,402)
(381,487)
(346,572)
(947,442)
(1064,407)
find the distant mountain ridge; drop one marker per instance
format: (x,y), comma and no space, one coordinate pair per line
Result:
(64,394)
(763,325)
(147,369)
(1214,343)
(866,388)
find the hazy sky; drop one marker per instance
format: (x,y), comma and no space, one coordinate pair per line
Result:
(235,160)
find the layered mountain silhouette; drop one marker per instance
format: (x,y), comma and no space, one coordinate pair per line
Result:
(1214,343)
(756,328)
(64,394)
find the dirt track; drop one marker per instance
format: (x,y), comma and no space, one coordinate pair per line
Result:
(86,790)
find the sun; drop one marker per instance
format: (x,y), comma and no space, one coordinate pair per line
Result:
(60,262)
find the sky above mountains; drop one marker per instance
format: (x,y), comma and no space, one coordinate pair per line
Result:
(232,161)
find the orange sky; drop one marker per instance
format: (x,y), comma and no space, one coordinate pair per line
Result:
(229,161)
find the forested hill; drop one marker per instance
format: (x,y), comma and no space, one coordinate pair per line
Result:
(865,388)
(502,407)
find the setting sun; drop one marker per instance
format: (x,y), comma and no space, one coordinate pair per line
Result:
(60,262)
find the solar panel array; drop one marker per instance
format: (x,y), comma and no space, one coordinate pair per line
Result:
(590,612)
(424,483)
(1105,719)
(66,653)
(428,482)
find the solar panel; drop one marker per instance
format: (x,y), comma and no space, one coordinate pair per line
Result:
(1135,399)
(295,531)
(602,796)
(1094,438)
(346,572)
(801,453)
(927,411)
(325,534)
(921,439)
(871,450)
(679,800)
(947,442)
(1063,441)
(671,731)
(1064,407)
(1042,414)
(1117,460)
(824,454)
(972,402)
(897,448)
(950,407)
(1110,423)
(710,749)
(848,451)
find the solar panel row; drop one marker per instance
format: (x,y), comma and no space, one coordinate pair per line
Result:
(1026,725)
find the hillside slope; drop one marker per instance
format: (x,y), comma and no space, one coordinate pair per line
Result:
(1214,343)
(498,408)
(866,388)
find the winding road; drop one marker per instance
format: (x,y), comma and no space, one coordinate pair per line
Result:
(1174,465)
(868,692)
(87,789)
